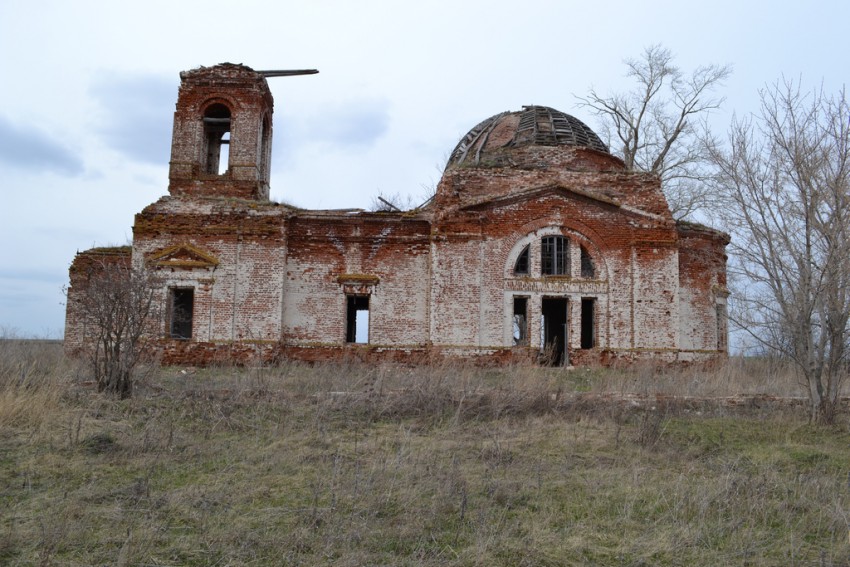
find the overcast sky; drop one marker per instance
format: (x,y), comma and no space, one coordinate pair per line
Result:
(88,90)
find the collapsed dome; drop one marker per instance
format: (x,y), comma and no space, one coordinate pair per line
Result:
(532,126)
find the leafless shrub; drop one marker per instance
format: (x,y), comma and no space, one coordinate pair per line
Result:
(117,305)
(651,423)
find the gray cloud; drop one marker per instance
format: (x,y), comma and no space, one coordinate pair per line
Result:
(32,150)
(27,276)
(31,303)
(356,124)
(137,114)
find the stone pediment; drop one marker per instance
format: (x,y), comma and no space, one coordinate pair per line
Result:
(534,192)
(566,192)
(185,256)
(358,283)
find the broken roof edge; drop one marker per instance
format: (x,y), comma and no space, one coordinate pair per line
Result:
(219,200)
(683,225)
(108,250)
(414,214)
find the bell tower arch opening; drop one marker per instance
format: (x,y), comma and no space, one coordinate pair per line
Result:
(217,139)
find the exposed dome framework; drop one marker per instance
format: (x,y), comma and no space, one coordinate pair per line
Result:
(532,126)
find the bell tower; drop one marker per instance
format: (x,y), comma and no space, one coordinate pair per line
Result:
(221,145)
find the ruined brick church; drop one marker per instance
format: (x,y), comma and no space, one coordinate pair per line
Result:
(538,245)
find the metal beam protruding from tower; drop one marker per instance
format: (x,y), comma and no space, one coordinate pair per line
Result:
(288,73)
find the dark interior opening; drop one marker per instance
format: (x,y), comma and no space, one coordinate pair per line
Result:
(554,314)
(182,307)
(588,270)
(588,322)
(357,310)
(520,321)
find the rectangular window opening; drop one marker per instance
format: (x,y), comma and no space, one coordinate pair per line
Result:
(520,321)
(588,322)
(357,319)
(181,307)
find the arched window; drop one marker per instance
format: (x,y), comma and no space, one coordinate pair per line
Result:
(521,265)
(554,256)
(216,136)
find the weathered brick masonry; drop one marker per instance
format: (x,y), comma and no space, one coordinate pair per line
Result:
(538,244)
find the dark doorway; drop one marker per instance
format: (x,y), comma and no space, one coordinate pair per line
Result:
(181,307)
(357,319)
(554,312)
(588,322)
(520,321)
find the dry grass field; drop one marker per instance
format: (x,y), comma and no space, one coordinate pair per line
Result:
(391,465)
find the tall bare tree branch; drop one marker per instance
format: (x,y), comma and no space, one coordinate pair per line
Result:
(659,125)
(786,175)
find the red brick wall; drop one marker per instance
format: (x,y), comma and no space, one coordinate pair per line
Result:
(702,276)
(272,281)
(84,265)
(392,249)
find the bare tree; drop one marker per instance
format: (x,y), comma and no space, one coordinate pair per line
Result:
(786,175)
(117,305)
(659,126)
